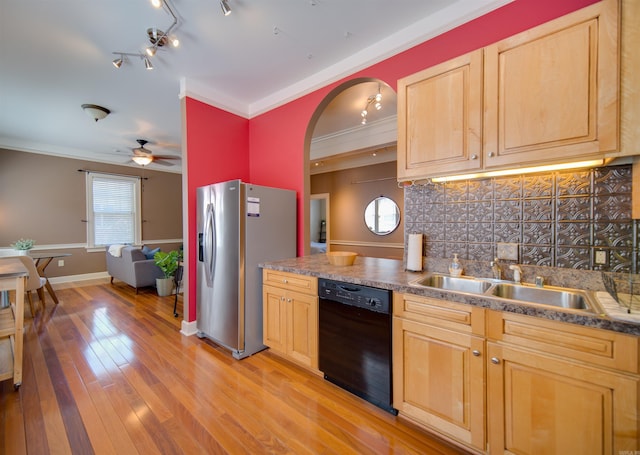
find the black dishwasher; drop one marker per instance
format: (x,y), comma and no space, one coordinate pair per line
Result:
(354,340)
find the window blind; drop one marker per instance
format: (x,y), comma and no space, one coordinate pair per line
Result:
(114,210)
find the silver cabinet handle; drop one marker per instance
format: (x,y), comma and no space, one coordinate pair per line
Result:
(495,360)
(474,157)
(476,353)
(289,300)
(282,298)
(285,281)
(491,154)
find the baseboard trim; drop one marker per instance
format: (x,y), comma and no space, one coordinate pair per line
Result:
(83,277)
(189,328)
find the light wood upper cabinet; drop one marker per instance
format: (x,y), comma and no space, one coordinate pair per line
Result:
(546,95)
(290,316)
(551,93)
(439,118)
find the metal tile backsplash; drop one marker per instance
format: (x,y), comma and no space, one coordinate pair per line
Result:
(557,219)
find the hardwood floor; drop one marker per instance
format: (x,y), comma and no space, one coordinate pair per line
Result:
(107,371)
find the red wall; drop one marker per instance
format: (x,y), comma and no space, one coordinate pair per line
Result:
(217,149)
(275,152)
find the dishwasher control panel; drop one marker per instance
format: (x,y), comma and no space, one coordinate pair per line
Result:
(374,299)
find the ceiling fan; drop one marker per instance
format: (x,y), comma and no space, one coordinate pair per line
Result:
(143,156)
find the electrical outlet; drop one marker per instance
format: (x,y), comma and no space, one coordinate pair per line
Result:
(507,251)
(60,262)
(601,257)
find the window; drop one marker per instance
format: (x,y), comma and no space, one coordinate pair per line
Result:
(113,210)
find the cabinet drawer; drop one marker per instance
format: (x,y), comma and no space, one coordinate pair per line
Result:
(599,347)
(292,281)
(441,313)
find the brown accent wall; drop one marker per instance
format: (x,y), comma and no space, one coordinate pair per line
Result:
(350,191)
(43,197)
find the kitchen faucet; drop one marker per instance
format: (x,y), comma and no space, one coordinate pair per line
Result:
(495,268)
(517,273)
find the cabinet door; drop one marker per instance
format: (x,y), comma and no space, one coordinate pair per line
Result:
(438,379)
(274,318)
(551,93)
(439,118)
(302,328)
(543,405)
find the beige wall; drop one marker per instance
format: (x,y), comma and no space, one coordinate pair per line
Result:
(350,191)
(43,197)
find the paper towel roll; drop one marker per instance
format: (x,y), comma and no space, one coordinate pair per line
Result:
(414,253)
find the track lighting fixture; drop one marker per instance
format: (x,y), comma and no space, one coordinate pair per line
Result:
(157,38)
(376,100)
(226,9)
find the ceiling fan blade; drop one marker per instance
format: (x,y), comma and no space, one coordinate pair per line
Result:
(162,162)
(166,157)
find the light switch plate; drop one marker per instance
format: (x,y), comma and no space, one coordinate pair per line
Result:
(601,257)
(507,251)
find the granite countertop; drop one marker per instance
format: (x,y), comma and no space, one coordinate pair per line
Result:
(390,274)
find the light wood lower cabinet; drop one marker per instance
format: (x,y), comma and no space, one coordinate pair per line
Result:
(555,387)
(439,379)
(505,383)
(539,404)
(290,317)
(438,366)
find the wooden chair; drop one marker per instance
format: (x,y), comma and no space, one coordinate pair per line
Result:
(34,283)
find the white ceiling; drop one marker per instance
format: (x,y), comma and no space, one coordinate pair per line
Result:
(56,55)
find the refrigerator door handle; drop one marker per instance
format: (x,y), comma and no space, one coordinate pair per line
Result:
(209,245)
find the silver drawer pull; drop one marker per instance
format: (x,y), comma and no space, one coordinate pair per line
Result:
(474,157)
(476,353)
(495,360)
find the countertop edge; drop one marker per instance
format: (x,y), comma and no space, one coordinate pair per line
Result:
(389,274)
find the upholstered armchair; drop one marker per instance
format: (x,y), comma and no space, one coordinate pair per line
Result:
(132,267)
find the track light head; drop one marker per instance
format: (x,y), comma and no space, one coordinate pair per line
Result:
(226,9)
(151,51)
(118,62)
(147,63)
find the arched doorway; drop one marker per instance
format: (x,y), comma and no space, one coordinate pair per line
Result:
(337,137)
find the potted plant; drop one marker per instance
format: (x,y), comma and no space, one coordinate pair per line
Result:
(168,263)
(22,246)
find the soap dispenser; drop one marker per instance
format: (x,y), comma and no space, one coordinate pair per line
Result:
(455,269)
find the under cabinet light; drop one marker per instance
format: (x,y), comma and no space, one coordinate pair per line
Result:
(518,171)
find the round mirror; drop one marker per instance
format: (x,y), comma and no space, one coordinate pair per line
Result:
(382,216)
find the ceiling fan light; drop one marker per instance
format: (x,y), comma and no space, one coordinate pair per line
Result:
(175,42)
(226,9)
(95,112)
(156,3)
(147,64)
(142,160)
(151,51)
(118,62)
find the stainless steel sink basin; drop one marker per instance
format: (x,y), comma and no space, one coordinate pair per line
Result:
(459,284)
(557,297)
(573,299)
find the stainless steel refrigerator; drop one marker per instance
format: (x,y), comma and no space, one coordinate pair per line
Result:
(239,225)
